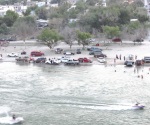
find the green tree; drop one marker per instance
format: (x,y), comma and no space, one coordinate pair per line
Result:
(4,29)
(1,20)
(24,27)
(29,10)
(9,2)
(133,26)
(69,35)
(83,38)
(124,16)
(111,31)
(49,37)
(41,13)
(10,18)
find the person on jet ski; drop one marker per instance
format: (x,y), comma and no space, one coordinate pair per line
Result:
(137,104)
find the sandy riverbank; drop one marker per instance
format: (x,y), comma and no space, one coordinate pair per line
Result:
(111,50)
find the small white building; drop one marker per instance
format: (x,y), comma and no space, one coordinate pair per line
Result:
(17,8)
(4,9)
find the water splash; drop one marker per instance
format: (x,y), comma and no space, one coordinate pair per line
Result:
(5,109)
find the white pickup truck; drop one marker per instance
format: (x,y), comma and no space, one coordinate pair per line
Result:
(72,62)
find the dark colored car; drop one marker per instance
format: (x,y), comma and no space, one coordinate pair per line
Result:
(92,52)
(94,49)
(138,40)
(78,51)
(146,59)
(139,62)
(128,61)
(100,55)
(37,53)
(58,50)
(23,53)
(40,60)
(116,40)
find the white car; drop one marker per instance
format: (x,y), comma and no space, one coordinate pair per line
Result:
(101,59)
(69,53)
(63,59)
(53,61)
(13,54)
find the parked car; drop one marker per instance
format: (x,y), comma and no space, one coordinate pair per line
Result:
(23,53)
(94,49)
(78,51)
(116,40)
(40,60)
(72,62)
(139,40)
(146,59)
(53,61)
(100,55)
(64,59)
(139,62)
(23,59)
(129,63)
(101,59)
(84,60)
(58,50)
(13,54)
(69,53)
(37,53)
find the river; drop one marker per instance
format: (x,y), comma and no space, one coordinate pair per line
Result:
(75,95)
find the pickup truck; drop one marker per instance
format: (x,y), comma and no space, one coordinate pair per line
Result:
(72,62)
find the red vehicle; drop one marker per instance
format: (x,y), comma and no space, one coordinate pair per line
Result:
(84,60)
(116,40)
(37,53)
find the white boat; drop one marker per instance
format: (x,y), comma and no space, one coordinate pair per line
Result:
(101,59)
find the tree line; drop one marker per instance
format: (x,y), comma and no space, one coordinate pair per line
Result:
(90,19)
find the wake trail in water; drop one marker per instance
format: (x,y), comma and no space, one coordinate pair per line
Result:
(95,106)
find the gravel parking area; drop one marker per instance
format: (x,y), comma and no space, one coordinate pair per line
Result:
(111,50)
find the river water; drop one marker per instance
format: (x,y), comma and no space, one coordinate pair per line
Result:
(75,95)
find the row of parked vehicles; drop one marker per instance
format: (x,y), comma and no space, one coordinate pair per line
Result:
(138,62)
(55,61)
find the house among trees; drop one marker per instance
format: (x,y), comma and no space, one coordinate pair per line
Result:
(16,8)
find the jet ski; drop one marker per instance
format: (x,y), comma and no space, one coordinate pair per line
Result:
(138,106)
(10,120)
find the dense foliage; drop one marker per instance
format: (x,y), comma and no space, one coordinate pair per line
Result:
(87,16)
